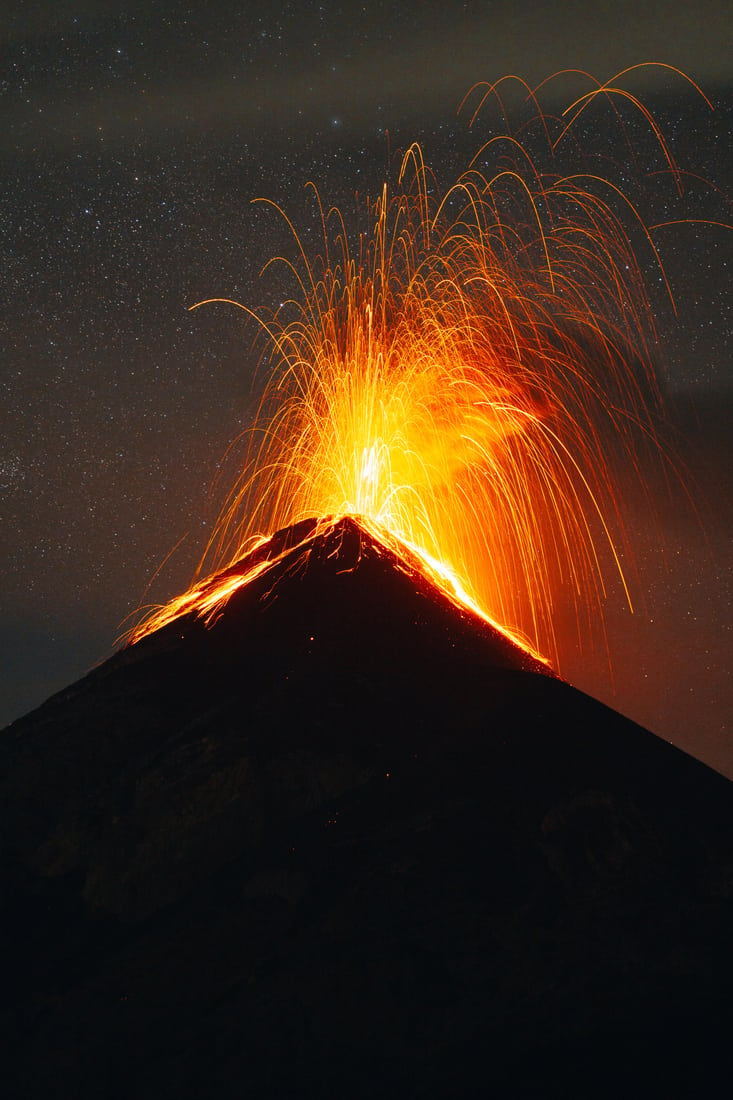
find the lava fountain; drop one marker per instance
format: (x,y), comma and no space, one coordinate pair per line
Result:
(467,382)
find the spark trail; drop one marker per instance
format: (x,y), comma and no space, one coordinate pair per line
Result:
(468,383)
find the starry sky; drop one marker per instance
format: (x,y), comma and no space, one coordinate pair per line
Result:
(134,137)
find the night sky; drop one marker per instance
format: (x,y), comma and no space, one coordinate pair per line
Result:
(134,137)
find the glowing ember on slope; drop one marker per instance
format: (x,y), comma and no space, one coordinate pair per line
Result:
(208,597)
(461,384)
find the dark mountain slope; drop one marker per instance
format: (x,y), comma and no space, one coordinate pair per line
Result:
(350,841)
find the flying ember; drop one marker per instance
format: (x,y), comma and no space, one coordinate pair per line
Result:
(467,379)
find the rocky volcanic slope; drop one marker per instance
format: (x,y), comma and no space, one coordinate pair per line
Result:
(351,842)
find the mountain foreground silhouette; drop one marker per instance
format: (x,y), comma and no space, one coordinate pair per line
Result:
(350,841)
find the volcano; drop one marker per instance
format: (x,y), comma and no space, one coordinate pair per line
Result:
(347,839)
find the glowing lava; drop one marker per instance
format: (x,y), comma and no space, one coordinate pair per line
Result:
(466,383)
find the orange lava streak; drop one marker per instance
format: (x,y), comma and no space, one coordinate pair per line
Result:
(465,385)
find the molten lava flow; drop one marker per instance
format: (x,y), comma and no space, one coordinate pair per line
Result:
(464,385)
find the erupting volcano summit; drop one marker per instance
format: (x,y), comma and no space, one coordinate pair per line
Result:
(328,826)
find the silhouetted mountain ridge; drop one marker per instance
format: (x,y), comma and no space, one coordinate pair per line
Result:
(350,840)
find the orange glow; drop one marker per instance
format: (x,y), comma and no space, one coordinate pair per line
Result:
(467,383)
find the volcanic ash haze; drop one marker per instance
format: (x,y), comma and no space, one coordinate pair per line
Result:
(350,840)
